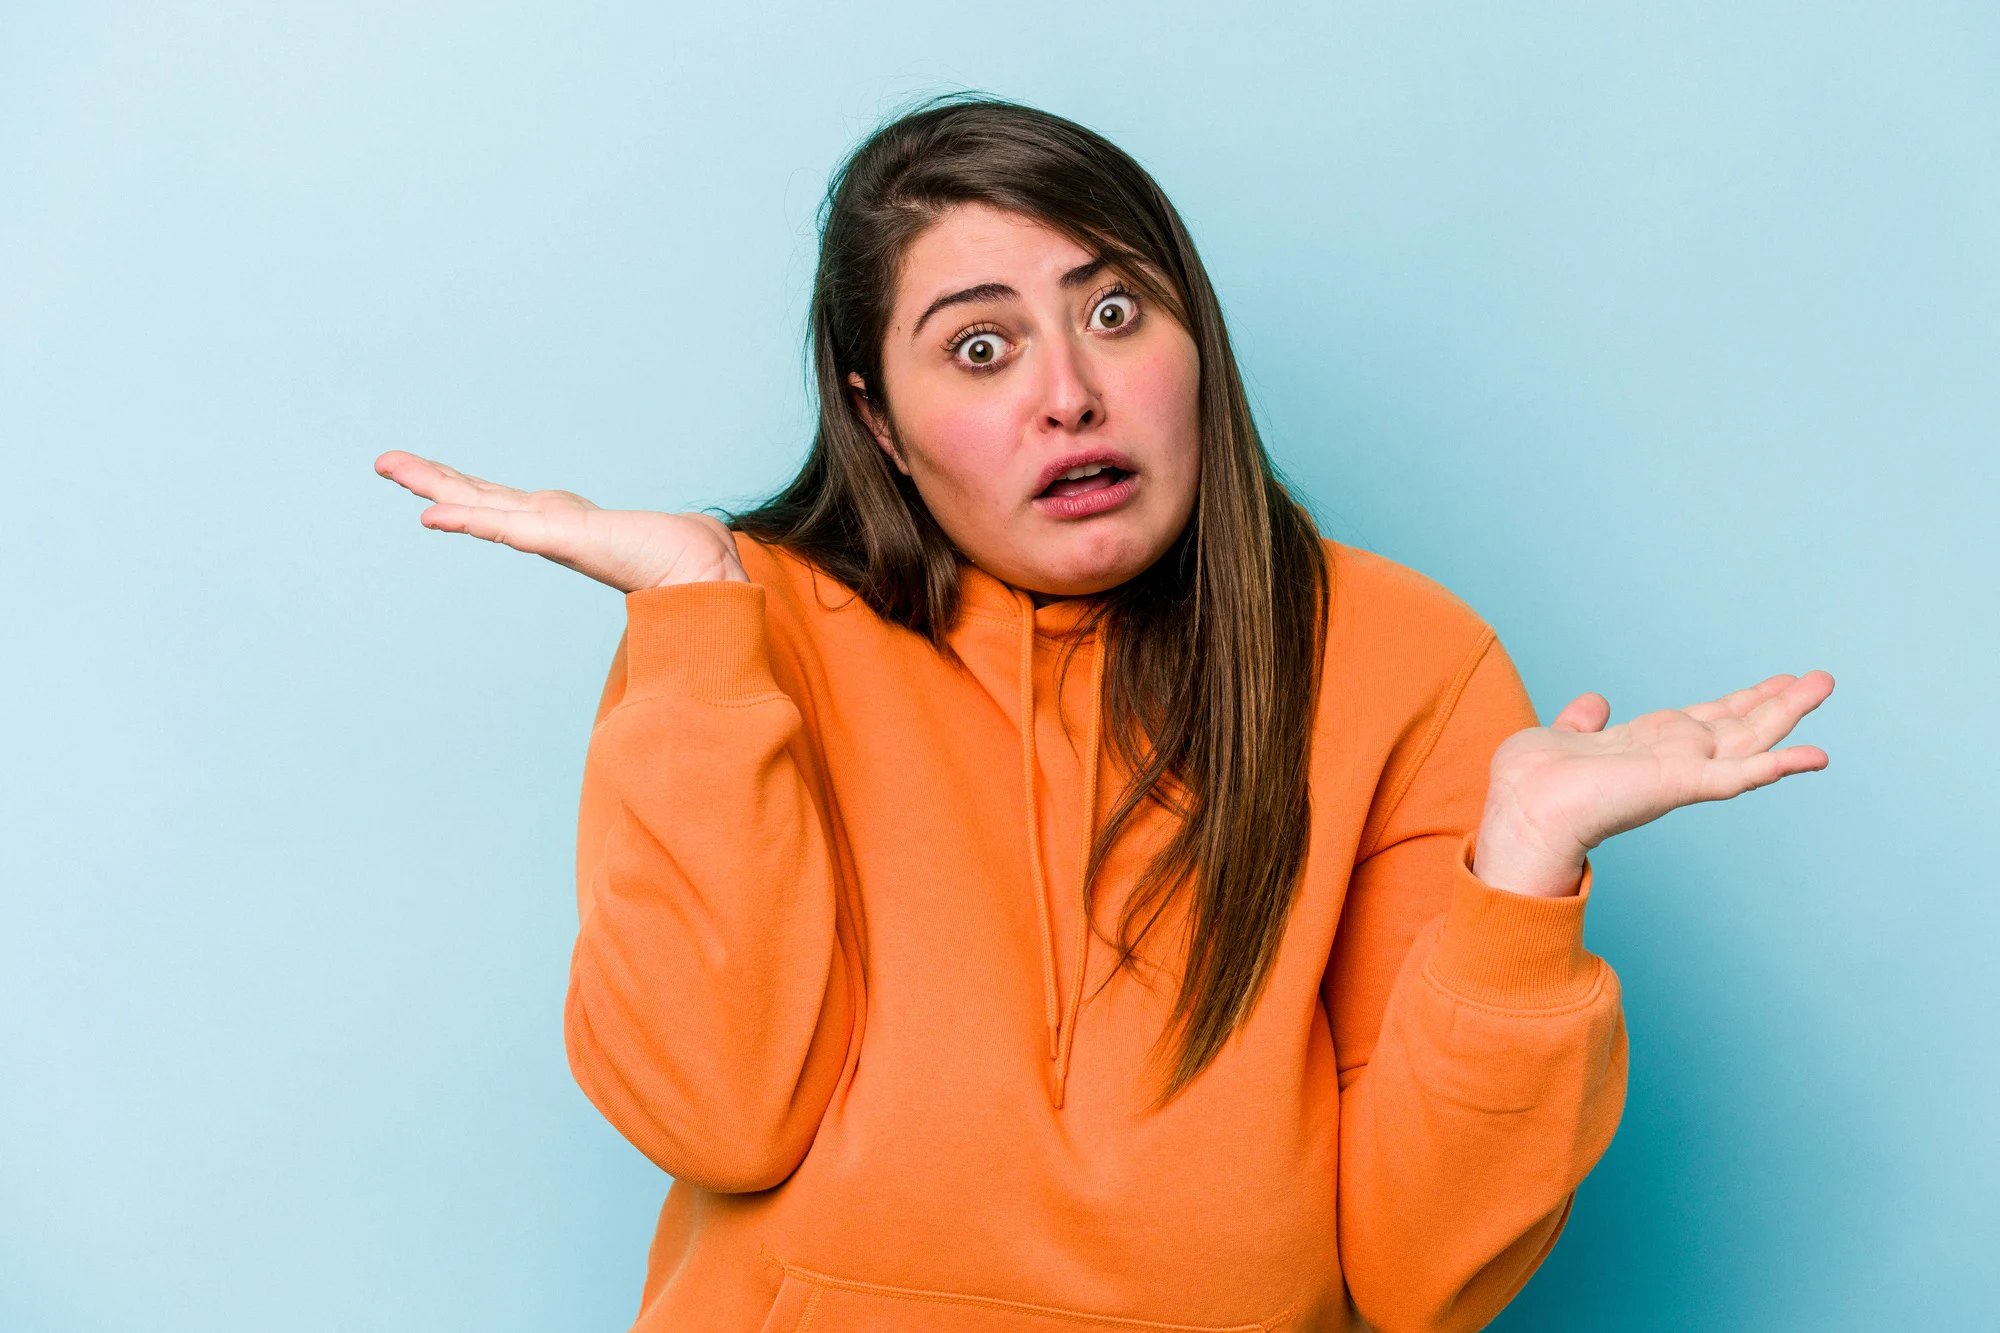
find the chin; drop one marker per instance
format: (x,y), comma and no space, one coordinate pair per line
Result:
(1096,570)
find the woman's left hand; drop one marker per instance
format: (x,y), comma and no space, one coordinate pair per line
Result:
(1558,791)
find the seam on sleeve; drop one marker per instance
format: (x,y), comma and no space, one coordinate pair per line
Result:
(674,696)
(1583,1001)
(1448,705)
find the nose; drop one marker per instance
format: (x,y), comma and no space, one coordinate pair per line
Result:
(1071,401)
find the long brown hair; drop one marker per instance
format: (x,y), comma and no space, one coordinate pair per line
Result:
(1215,651)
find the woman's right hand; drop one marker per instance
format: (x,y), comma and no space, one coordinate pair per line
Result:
(629,549)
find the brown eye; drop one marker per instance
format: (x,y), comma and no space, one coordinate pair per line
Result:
(1113,312)
(978,351)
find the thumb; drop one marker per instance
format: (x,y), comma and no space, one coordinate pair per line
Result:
(1586,712)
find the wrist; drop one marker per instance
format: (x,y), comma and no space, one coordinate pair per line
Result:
(1510,855)
(723,568)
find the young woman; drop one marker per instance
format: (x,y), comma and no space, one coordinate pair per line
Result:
(1028,879)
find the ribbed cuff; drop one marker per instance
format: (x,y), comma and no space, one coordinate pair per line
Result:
(702,640)
(1513,950)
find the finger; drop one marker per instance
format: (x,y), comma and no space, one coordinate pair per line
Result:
(1585,713)
(1724,778)
(522,529)
(1772,720)
(1739,702)
(420,476)
(447,485)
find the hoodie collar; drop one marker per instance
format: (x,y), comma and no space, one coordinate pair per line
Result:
(980,591)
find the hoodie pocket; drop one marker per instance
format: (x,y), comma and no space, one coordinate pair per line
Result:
(810,1302)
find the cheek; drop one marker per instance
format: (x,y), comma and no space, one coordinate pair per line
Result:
(1160,393)
(963,448)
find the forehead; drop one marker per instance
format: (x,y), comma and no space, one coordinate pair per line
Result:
(971,244)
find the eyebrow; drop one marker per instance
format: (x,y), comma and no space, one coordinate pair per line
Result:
(1000,291)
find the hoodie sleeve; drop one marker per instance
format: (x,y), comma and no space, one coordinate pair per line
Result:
(711,993)
(1496,1077)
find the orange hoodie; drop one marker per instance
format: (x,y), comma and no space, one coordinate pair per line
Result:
(833,976)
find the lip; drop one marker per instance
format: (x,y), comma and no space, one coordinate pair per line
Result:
(1090,502)
(1055,467)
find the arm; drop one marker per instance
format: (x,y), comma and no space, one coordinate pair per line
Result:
(711,991)
(1496,1076)
(710,998)
(1482,1049)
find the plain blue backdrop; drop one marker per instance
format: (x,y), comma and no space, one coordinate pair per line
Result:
(1667,336)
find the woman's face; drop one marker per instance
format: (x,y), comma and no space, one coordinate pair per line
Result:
(1014,358)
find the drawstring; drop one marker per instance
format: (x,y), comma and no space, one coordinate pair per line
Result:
(1083,871)
(1034,823)
(1061,1020)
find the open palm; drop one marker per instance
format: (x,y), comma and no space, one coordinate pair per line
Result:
(629,549)
(1577,781)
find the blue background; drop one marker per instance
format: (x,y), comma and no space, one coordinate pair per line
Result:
(1667,336)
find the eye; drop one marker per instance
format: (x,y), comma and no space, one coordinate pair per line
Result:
(1113,311)
(979,348)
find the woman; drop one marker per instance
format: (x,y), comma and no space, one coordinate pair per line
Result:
(1233,979)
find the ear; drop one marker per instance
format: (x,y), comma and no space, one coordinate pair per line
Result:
(877,424)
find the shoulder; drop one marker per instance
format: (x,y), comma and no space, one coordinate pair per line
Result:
(807,611)
(790,580)
(1402,653)
(1416,681)
(1387,610)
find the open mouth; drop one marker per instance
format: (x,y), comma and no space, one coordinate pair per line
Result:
(1084,480)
